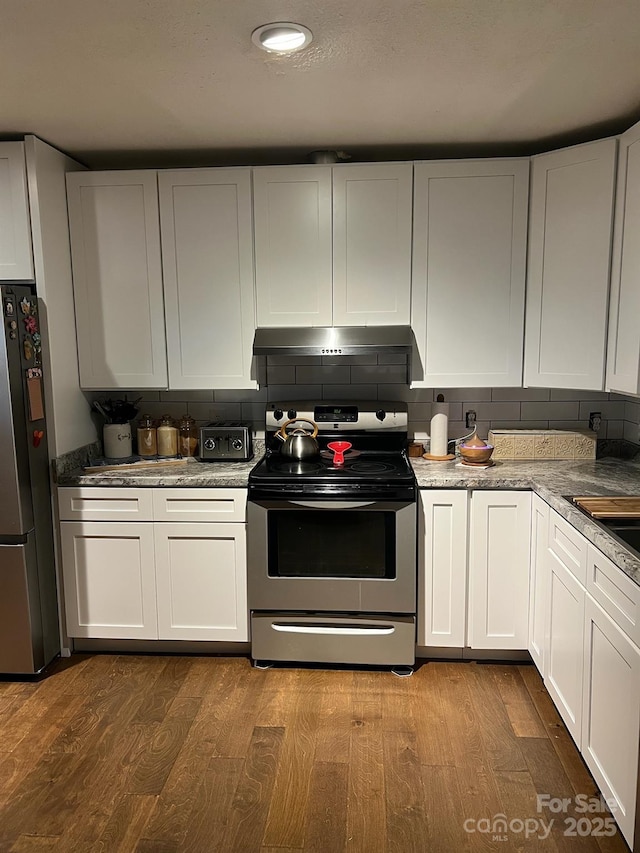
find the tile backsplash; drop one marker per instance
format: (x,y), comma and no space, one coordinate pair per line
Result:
(371,377)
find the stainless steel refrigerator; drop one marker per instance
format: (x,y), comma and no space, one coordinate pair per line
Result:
(29,634)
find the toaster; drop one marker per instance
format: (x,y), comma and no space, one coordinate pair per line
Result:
(226,441)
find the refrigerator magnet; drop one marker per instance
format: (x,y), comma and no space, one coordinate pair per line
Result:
(34,394)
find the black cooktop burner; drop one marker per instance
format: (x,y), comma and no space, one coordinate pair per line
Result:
(374,467)
(291,466)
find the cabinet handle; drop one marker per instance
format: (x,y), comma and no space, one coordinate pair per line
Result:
(338,630)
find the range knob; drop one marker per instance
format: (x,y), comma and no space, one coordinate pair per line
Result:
(237,444)
(278,413)
(209,444)
(292,414)
(381,414)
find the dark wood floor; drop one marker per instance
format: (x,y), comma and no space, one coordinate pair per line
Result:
(164,754)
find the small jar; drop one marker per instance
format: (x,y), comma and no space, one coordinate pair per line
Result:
(167,437)
(188,436)
(147,437)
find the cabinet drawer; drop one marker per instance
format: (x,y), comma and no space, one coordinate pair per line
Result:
(96,504)
(569,546)
(616,593)
(199,504)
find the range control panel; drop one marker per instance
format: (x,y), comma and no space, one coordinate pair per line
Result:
(377,415)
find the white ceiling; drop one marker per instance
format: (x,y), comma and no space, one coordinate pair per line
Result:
(178,82)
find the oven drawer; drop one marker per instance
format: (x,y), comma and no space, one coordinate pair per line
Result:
(331,638)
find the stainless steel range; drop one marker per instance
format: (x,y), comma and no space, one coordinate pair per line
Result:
(332,536)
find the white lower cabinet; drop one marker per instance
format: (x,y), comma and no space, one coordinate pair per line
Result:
(442,584)
(592,663)
(564,669)
(109,579)
(200,575)
(611,714)
(474,568)
(151,579)
(500,526)
(538,583)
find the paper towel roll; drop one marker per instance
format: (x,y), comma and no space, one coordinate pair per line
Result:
(439,430)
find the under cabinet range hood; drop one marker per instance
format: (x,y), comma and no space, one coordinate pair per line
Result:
(334,340)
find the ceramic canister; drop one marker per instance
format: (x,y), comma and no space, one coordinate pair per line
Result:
(117,440)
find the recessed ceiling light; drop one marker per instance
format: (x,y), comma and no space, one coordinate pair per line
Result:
(281,37)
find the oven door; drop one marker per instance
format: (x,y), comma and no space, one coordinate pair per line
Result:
(341,556)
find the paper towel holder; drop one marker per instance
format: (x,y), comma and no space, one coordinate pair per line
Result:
(447,457)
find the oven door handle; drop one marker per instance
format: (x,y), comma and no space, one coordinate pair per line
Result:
(332,504)
(338,630)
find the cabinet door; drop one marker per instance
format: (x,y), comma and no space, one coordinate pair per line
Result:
(292,210)
(201,574)
(16,257)
(565,661)
(109,579)
(372,244)
(442,567)
(539,584)
(207,256)
(570,230)
(117,279)
(611,713)
(623,356)
(499,570)
(469,252)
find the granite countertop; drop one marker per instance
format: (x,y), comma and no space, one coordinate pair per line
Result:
(552,481)
(192,474)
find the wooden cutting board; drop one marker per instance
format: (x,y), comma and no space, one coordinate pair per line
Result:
(610,507)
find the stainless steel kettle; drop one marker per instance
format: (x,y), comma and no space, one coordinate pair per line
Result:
(299,444)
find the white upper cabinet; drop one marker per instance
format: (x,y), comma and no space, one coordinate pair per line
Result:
(623,358)
(570,230)
(469,254)
(372,244)
(207,257)
(333,244)
(16,257)
(292,209)
(117,279)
